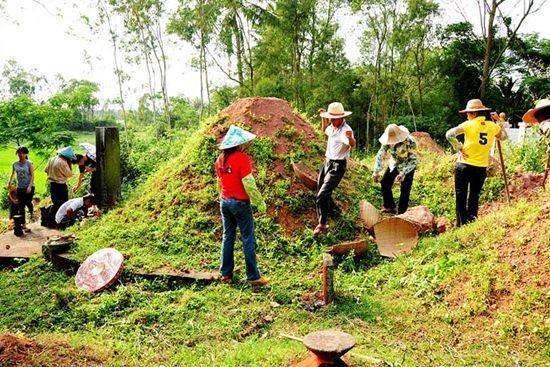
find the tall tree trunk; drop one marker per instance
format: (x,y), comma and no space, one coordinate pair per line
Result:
(488,49)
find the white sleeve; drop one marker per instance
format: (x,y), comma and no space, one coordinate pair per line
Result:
(76,204)
(326,130)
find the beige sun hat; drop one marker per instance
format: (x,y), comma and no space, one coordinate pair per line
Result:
(335,111)
(394,134)
(530,117)
(474,105)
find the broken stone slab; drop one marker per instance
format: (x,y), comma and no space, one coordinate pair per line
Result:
(329,345)
(395,236)
(421,216)
(328,279)
(306,175)
(358,247)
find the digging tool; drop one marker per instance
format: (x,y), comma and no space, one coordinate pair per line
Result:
(546,171)
(499,146)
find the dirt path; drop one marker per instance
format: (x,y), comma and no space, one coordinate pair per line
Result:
(26,246)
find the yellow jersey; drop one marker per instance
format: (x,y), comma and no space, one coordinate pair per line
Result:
(479,137)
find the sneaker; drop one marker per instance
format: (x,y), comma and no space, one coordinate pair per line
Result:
(26,229)
(320,229)
(262,281)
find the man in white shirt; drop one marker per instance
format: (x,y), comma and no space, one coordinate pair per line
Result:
(73,209)
(339,144)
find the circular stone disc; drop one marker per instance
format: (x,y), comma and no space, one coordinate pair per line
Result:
(332,342)
(100,270)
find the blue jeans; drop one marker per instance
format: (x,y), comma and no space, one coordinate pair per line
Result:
(238,213)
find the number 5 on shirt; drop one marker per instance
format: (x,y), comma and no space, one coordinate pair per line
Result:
(483,138)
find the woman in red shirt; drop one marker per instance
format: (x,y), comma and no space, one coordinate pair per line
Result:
(238,190)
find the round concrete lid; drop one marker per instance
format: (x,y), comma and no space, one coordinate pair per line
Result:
(100,270)
(332,342)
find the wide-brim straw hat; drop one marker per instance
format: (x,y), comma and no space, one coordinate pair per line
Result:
(67,152)
(394,134)
(530,116)
(236,136)
(395,236)
(335,111)
(369,214)
(475,105)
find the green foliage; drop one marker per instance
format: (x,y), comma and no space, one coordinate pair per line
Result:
(530,157)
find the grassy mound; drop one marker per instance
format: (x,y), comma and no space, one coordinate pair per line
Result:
(473,296)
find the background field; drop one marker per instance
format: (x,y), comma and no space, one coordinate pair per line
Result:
(7,157)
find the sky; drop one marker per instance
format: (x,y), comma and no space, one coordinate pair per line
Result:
(50,37)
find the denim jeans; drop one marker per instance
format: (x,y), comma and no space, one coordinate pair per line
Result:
(237,213)
(468,184)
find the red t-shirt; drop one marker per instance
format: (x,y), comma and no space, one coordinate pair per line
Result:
(237,166)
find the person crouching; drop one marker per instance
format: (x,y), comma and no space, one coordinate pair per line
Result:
(74,210)
(238,191)
(340,140)
(399,145)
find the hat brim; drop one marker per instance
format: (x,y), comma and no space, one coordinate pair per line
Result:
(529,116)
(229,146)
(485,109)
(401,137)
(330,116)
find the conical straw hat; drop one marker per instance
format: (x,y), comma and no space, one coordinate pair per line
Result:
(529,116)
(369,214)
(394,134)
(395,236)
(235,137)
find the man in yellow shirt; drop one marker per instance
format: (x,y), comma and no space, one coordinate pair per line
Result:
(473,158)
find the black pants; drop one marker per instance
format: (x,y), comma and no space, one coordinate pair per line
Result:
(329,177)
(25,200)
(60,195)
(468,183)
(387,183)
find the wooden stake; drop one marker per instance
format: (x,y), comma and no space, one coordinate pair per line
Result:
(546,171)
(499,146)
(328,279)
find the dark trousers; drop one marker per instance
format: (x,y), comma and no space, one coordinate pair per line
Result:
(468,184)
(25,200)
(60,195)
(387,183)
(329,177)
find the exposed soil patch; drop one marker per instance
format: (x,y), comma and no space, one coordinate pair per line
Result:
(268,117)
(425,143)
(22,352)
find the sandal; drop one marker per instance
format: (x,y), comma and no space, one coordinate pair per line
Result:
(320,229)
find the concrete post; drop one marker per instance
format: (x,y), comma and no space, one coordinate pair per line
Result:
(107,179)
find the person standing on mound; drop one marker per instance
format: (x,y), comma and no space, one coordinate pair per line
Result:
(401,148)
(238,190)
(473,158)
(541,115)
(339,144)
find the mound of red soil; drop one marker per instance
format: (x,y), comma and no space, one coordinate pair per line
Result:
(525,183)
(268,117)
(425,143)
(22,352)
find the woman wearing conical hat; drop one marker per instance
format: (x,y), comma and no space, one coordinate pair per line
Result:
(238,191)
(473,157)
(399,145)
(59,171)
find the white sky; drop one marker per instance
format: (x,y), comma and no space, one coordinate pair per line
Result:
(40,38)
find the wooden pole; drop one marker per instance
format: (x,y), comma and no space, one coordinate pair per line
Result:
(546,172)
(499,146)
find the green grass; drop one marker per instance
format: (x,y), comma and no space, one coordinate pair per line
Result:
(7,157)
(432,307)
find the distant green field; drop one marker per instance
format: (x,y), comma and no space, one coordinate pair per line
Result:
(7,157)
